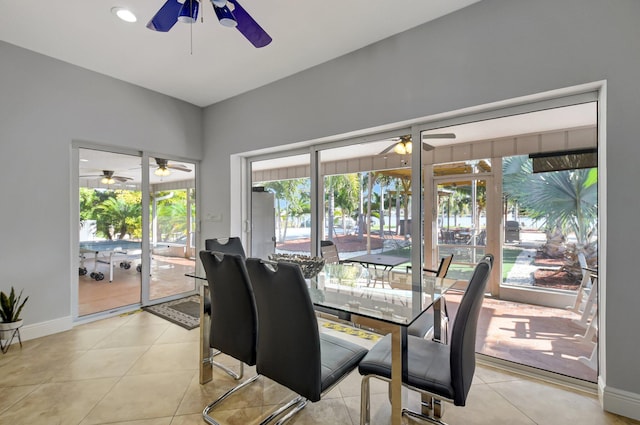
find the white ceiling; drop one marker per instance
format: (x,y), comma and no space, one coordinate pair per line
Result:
(205,63)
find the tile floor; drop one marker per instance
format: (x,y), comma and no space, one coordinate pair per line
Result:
(139,369)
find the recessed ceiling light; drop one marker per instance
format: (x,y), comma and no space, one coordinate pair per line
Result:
(124,14)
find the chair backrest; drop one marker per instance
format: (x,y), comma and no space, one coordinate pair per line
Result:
(234,322)
(424,322)
(329,251)
(463,334)
(231,245)
(443,268)
(288,335)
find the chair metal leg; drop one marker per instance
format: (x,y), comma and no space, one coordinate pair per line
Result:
(432,409)
(416,415)
(234,375)
(297,404)
(365,401)
(205,413)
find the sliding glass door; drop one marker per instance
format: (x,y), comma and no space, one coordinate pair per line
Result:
(114,268)
(461,221)
(172,220)
(110,241)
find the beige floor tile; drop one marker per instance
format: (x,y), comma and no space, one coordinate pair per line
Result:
(565,406)
(167,358)
(490,375)
(483,406)
(176,334)
(103,363)
(108,323)
(77,339)
(138,369)
(187,420)
(244,416)
(350,386)
(156,421)
(9,396)
(58,403)
(141,397)
(142,318)
(198,396)
(30,369)
(325,411)
(128,335)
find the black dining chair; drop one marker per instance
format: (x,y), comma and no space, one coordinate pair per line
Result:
(291,349)
(234,325)
(423,325)
(437,371)
(232,245)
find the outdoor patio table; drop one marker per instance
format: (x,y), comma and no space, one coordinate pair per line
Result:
(381,262)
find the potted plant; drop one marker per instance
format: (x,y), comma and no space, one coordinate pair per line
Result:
(10,309)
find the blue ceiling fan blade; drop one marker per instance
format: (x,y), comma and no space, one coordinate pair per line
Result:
(248,27)
(166,17)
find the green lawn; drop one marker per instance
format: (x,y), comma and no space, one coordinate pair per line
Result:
(509,256)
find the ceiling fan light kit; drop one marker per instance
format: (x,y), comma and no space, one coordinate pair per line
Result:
(162,172)
(225,16)
(189,12)
(228,12)
(403,148)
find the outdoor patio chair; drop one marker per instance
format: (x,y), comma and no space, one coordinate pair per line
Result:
(234,325)
(291,349)
(329,251)
(437,371)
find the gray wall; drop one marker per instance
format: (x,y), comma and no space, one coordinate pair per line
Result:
(490,51)
(46,104)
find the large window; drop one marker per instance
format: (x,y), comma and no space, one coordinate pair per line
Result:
(281,206)
(479,196)
(366,198)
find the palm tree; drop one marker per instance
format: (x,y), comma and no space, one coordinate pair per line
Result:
(121,213)
(342,191)
(287,194)
(567,200)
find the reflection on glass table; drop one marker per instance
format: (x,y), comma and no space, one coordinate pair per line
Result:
(348,288)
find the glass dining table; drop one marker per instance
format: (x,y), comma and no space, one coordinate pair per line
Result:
(347,288)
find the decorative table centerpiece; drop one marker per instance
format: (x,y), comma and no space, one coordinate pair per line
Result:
(310,266)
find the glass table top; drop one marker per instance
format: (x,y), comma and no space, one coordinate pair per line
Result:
(390,296)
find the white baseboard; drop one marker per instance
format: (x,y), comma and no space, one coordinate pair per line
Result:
(49,327)
(620,402)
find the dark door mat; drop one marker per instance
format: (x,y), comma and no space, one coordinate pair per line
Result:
(184,312)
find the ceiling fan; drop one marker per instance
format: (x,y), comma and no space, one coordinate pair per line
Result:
(107,177)
(229,13)
(164,167)
(403,145)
